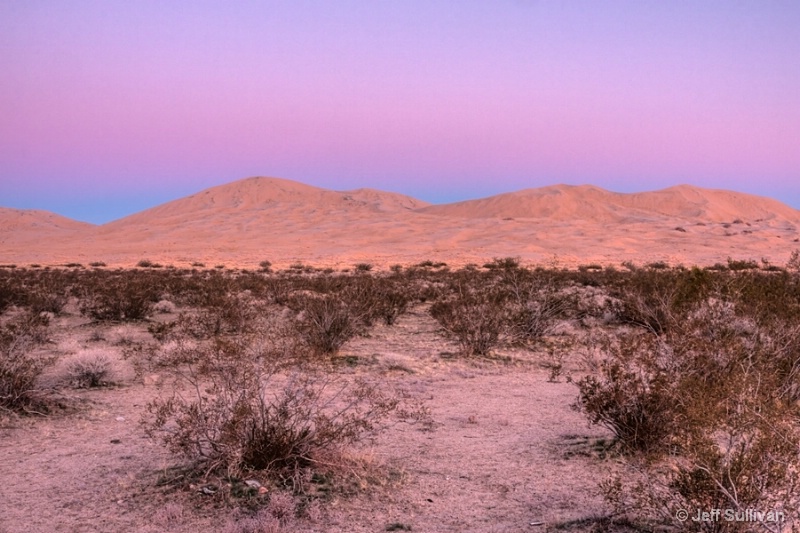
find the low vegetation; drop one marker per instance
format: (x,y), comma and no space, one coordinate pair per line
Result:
(20,368)
(694,371)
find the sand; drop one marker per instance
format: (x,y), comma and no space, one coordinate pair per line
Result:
(248,221)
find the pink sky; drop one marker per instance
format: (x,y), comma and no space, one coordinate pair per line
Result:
(111,107)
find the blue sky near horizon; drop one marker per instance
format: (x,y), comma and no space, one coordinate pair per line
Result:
(112,107)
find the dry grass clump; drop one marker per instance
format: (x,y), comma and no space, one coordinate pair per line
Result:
(90,369)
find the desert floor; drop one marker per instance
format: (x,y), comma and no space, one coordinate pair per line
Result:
(501,451)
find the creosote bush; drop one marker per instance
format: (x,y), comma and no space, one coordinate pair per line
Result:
(119,296)
(245,412)
(706,414)
(476,320)
(325,323)
(19,368)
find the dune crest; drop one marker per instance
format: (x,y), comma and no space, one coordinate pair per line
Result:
(590,203)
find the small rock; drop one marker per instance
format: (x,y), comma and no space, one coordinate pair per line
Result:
(263,490)
(152,379)
(252,483)
(115,441)
(208,490)
(120,419)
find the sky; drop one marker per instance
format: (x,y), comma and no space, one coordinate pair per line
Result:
(110,107)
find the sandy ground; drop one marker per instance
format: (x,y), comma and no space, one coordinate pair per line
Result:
(504,451)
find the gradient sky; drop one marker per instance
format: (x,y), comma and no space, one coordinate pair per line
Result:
(109,107)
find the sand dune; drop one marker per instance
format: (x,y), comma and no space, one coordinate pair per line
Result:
(262,197)
(21,228)
(589,203)
(20,220)
(247,221)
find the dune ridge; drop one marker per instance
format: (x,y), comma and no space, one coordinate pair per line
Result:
(587,202)
(284,221)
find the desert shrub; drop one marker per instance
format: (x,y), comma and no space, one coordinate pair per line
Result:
(48,293)
(89,370)
(227,315)
(746,461)
(766,297)
(503,263)
(325,322)
(742,264)
(146,263)
(657,300)
(633,396)
(19,369)
(793,262)
(8,293)
(121,297)
(164,307)
(363,267)
(244,414)
(161,331)
(476,319)
(536,301)
(707,415)
(392,302)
